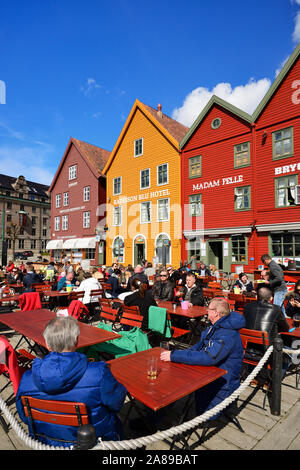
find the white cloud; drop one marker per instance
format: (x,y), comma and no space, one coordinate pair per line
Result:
(90,86)
(245,97)
(277,71)
(296,32)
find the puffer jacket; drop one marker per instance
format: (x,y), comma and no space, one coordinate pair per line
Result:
(70,377)
(219,345)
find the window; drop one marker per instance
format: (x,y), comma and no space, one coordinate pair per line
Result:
(242,198)
(282,143)
(9,205)
(286,245)
(90,253)
(86,219)
(117,185)
(118,215)
(9,243)
(163,210)
(66,199)
(33,209)
(145,178)
(33,232)
(86,193)
(215,123)
(33,220)
(162,174)
(65,222)
(138,147)
(73,172)
(21,231)
(238,249)
(21,244)
(33,244)
(145,212)
(195,167)
(44,232)
(242,155)
(285,191)
(45,221)
(195,205)
(57,224)
(162,248)
(8,218)
(118,249)
(58,200)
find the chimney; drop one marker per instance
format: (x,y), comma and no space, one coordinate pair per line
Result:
(159,110)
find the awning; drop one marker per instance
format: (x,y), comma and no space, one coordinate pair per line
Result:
(290,226)
(74,243)
(216,231)
(54,245)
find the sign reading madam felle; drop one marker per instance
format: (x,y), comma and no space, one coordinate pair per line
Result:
(219,182)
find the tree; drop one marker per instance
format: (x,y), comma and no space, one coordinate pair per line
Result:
(13,230)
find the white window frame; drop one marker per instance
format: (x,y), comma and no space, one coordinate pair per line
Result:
(66,199)
(86,193)
(72,172)
(117,178)
(56,224)
(145,187)
(158,201)
(65,222)
(120,216)
(167,182)
(86,219)
(58,200)
(140,154)
(141,219)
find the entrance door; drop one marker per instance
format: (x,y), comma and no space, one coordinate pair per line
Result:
(215,253)
(139,250)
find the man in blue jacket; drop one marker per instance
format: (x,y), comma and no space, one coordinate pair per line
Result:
(66,375)
(220,345)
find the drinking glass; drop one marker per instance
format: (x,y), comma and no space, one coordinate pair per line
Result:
(296,320)
(152,368)
(165,345)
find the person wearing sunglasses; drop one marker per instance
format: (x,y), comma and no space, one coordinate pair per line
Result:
(164,288)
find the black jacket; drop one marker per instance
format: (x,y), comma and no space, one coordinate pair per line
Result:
(262,316)
(196,294)
(276,277)
(143,303)
(142,277)
(29,279)
(163,290)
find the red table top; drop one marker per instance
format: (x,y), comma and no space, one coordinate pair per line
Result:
(174,380)
(192,312)
(295,333)
(33,322)
(10,298)
(55,293)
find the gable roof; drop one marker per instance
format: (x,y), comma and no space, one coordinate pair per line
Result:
(94,156)
(171,129)
(37,189)
(277,82)
(214,100)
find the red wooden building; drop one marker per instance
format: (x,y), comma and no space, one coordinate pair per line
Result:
(240,177)
(78,191)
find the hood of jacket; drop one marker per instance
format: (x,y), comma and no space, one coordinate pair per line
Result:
(233,321)
(58,372)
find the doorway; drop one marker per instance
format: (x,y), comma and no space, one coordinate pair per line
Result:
(215,253)
(139,250)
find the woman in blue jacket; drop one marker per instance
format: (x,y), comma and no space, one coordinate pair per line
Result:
(66,375)
(220,345)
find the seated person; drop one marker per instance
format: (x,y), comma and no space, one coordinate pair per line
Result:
(31,277)
(138,273)
(66,375)
(192,291)
(67,280)
(293,306)
(204,270)
(164,288)
(142,298)
(220,345)
(243,283)
(115,281)
(14,276)
(214,271)
(88,284)
(149,270)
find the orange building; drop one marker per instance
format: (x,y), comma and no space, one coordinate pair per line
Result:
(143,189)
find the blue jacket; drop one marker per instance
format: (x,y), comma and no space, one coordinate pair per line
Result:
(220,345)
(70,377)
(30,278)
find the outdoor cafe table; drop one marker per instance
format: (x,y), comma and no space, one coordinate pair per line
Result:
(31,324)
(174,381)
(10,298)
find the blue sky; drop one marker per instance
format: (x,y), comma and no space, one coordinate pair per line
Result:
(74,68)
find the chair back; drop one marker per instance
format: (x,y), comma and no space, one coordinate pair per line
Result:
(254,336)
(131,316)
(54,412)
(30,301)
(107,312)
(74,295)
(77,310)
(41,287)
(9,363)
(214,285)
(105,285)
(96,293)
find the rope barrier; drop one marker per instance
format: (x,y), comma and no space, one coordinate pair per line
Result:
(146,440)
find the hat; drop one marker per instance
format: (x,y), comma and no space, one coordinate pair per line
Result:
(103,266)
(169,267)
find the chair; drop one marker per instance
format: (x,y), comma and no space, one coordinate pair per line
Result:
(214,285)
(43,289)
(239,301)
(107,312)
(76,295)
(131,316)
(62,413)
(78,310)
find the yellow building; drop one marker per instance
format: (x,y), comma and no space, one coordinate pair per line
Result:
(143,189)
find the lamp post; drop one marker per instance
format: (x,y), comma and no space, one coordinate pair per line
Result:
(3,244)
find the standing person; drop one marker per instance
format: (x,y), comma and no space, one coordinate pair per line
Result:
(10,267)
(164,288)
(276,280)
(66,375)
(220,345)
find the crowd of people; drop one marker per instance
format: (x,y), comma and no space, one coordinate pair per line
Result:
(65,374)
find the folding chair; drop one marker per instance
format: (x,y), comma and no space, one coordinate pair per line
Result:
(43,289)
(239,301)
(76,295)
(107,313)
(78,310)
(131,316)
(62,413)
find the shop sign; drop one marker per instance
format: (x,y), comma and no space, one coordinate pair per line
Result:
(287,168)
(142,197)
(218,183)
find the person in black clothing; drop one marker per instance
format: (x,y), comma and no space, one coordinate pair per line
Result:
(191,291)
(115,280)
(293,306)
(164,288)
(204,270)
(174,275)
(138,274)
(30,278)
(141,297)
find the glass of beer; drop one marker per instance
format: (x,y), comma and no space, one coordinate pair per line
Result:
(152,368)
(296,320)
(165,345)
